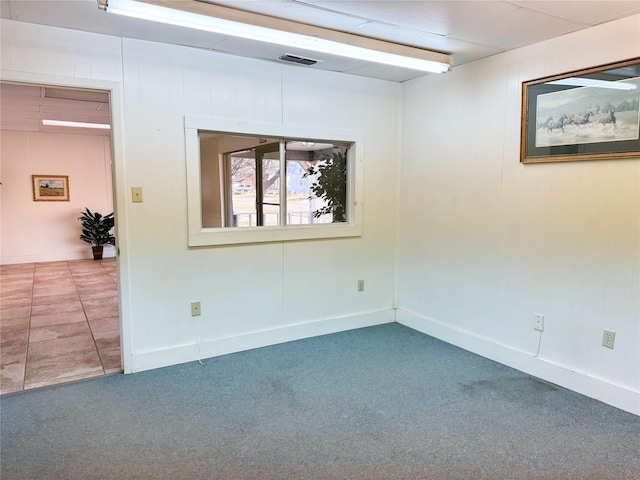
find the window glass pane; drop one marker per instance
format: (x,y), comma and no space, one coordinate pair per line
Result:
(270,170)
(316,182)
(241,181)
(299,206)
(243,189)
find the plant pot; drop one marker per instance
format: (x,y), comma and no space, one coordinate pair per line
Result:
(97,252)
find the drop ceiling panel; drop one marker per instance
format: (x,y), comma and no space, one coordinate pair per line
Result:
(588,13)
(69,105)
(62,112)
(15,107)
(85,15)
(26,91)
(461,51)
(73,14)
(87,95)
(294,11)
(20,117)
(437,17)
(517,29)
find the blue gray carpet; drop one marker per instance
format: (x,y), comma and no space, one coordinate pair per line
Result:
(383,402)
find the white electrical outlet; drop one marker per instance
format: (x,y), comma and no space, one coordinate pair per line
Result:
(608,338)
(538,322)
(195,309)
(361,285)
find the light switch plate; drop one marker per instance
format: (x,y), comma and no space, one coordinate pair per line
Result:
(136,194)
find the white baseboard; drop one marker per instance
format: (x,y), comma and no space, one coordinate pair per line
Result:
(54,257)
(223,346)
(600,389)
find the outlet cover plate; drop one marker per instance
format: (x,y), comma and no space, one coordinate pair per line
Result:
(608,338)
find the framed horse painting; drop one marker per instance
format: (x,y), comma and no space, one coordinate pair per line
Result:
(591,114)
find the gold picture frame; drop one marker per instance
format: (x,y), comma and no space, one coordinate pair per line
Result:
(590,114)
(50,188)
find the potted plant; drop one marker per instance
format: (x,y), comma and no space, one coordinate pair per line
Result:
(331,185)
(96,231)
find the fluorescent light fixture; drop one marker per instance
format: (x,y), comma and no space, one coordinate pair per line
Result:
(590,82)
(148,11)
(62,123)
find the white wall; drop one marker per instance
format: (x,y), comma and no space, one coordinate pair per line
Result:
(485,242)
(251,288)
(48,231)
(251,295)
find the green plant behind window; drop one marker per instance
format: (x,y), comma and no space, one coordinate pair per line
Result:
(330,185)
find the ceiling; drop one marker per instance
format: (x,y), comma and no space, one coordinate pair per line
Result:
(23,107)
(468,30)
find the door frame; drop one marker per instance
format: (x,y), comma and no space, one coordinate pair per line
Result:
(116,104)
(260,151)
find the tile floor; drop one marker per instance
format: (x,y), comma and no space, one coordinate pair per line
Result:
(59,322)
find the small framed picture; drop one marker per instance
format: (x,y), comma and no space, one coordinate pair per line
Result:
(590,114)
(50,188)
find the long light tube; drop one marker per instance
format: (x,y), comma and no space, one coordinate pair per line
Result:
(181,18)
(63,123)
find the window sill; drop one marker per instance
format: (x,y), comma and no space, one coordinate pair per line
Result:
(247,235)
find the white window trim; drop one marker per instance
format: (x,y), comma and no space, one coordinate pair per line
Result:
(200,237)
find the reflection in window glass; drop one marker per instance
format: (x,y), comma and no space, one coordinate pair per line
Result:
(302,161)
(254,195)
(268,162)
(329,184)
(242,169)
(241,178)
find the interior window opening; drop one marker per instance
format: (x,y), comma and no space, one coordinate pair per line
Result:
(259,182)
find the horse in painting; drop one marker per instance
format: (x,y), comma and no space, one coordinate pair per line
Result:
(557,125)
(583,119)
(609,118)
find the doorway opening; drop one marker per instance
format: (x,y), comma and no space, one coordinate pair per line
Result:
(60,314)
